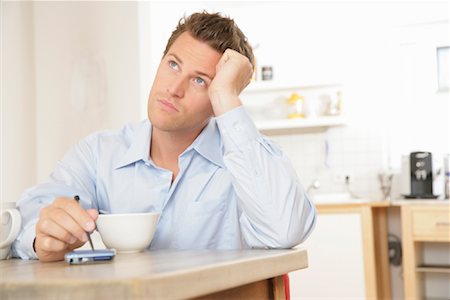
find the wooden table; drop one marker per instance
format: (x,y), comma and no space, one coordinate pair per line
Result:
(210,274)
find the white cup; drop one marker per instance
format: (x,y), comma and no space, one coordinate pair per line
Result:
(127,233)
(10,222)
(311,107)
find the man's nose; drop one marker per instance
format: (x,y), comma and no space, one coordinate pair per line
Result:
(177,87)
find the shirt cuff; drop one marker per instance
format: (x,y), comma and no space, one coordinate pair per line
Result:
(23,246)
(236,128)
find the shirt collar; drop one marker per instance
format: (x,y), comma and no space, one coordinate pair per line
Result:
(139,148)
(208,144)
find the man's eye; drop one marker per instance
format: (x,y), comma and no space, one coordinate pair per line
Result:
(173,65)
(199,81)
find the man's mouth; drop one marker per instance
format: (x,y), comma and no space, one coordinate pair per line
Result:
(167,105)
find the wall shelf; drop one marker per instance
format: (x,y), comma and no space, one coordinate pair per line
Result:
(272,86)
(306,125)
(261,95)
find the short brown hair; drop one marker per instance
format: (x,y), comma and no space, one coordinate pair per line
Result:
(217,31)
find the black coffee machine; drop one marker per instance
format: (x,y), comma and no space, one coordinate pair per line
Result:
(420,176)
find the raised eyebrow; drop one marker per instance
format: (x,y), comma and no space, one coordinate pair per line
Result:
(204,74)
(176,57)
(210,77)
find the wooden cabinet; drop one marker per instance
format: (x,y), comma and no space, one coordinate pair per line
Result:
(429,223)
(423,222)
(348,254)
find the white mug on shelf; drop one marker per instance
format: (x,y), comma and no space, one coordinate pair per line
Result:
(312,108)
(10,222)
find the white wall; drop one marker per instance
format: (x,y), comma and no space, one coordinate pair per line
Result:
(420,115)
(18,131)
(68,69)
(87,73)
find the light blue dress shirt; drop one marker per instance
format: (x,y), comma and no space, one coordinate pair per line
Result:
(235,189)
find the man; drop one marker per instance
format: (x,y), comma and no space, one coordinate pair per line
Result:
(198,160)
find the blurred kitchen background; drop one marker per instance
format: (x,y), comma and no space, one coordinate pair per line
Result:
(367,80)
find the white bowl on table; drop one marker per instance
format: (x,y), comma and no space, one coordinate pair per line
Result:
(127,233)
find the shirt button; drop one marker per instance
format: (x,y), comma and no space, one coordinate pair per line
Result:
(237,127)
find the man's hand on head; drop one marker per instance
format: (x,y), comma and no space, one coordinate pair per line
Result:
(233,74)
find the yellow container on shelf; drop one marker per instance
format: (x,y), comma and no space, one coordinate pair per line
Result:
(296,105)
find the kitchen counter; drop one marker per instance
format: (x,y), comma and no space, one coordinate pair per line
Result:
(351,204)
(344,199)
(374,233)
(155,275)
(431,202)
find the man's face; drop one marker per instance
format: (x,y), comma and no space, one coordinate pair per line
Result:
(179,101)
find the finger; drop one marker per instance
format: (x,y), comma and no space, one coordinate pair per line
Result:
(226,56)
(93,213)
(49,244)
(68,223)
(73,208)
(220,64)
(230,52)
(50,228)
